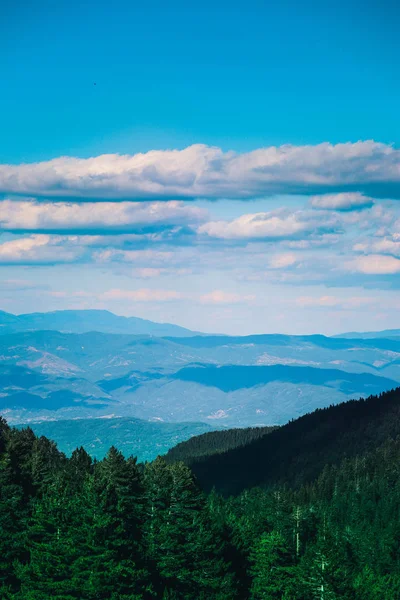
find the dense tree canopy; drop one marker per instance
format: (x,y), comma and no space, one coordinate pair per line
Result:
(115,530)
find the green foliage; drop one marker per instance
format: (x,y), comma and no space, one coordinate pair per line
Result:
(370,586)
(73,529)
(272,570)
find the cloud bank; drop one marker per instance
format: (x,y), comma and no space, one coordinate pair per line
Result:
(274,225)
(209,172)
(98,228)
(342,202)
(375,264)
(107,218)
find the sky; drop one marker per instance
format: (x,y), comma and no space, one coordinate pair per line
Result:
(229,167)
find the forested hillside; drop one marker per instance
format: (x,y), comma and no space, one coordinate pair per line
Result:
(74,529)
(297,452)
(214,442)
(115,530)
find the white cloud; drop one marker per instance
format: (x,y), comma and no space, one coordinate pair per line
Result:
(19,247)
(105,216)
(39,249)
(152,273)
(383,246)
(344,201)
(279,224)
(148,272)
(141,295)
(374,264)
(280,261)
(257,225)
(221,297)
(144,257)
(204,171)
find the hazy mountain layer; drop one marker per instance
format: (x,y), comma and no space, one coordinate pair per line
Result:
(387,333)
(143,439)
(83,321)
(219,380)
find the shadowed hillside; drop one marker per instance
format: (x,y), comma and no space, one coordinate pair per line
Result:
(215,442)
(297,452)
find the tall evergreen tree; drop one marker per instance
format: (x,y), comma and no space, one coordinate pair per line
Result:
(118,526)
(16,491)
(274,575)
(53,546)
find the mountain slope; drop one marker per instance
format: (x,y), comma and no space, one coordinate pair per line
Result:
(281,340)
(214,442)
(83,321)
(27,394)
(230,378)
(297,452)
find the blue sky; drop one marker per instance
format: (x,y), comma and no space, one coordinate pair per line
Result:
(239,75)
(225,225)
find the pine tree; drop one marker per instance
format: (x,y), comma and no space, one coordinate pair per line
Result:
(5,432)
(157,484)
(52,546)
(369,585)
(117,527)
(16,490)
(46,460)
(78,468)
(14,512)
(187,552)
(317,573)
(273,572)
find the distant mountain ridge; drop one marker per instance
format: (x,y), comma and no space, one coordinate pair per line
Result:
(230,378)
(338,342)
(230,382)
(370,335)
(85,321)
(104,321)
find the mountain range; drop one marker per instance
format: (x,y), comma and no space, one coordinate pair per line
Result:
(217,380)
(370,335)
(83,321)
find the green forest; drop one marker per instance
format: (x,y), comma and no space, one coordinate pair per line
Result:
(77,528)
(214,442)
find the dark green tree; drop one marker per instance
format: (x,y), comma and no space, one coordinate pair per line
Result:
(117,528)
(273,572)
